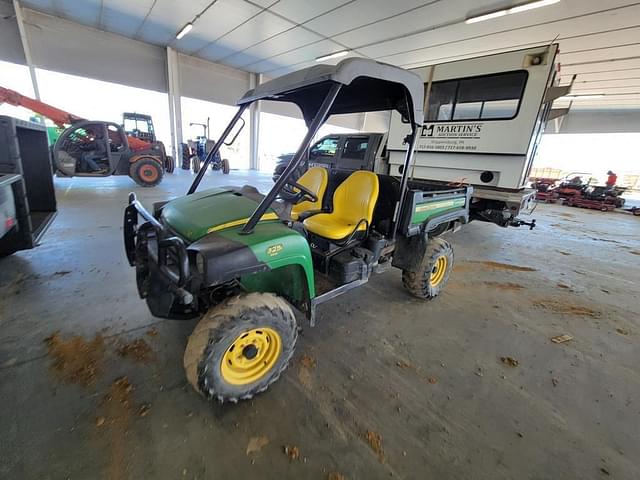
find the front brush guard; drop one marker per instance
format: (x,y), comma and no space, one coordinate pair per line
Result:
(167,246)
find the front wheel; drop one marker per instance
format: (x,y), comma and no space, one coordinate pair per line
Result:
(195,164)
(226,168)
(241,347)
(146,172)
(433,272)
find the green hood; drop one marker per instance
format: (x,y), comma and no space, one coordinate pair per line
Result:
(216,209)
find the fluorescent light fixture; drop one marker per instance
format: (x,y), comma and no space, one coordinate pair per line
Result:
(333,55)
(509,11)
(487,16)
(531,6)
(186,29)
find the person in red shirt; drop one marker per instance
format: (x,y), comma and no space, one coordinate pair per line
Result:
(611,179)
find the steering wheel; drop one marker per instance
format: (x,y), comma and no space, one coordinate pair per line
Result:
(303,194)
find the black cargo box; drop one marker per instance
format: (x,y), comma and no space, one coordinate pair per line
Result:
(24,151)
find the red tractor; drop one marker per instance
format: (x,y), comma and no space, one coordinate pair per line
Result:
(88,148)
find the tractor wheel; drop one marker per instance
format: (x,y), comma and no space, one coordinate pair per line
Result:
(169,164)
(241,346)
(146,172)
(186,156)
(195,163)
(226,168)
(432,275)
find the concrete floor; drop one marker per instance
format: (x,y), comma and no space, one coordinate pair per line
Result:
(426,377)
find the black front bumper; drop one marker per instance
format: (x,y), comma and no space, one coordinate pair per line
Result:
(163,272)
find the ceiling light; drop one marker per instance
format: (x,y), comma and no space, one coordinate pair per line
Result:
(487,16)
(333,55)
(531,6)
(509,11)
(186,29)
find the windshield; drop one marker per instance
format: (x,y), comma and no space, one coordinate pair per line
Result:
(131,125)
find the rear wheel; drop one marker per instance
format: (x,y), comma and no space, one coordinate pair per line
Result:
(241,347)
(433,273)
(146,172)
(186,156)
(169,164)
(226,168)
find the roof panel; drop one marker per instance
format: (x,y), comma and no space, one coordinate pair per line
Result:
(603,54)
(457,42)
(604,76)
(613,65)
(46,6)
(279,43)
(125,17)
(255,30)
(86,12)
(428,15)
(358,13)
(215,24)
(302,10)
(521,30)
(167,17)
(295,59)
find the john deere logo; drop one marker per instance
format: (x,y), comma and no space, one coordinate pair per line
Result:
(274,250)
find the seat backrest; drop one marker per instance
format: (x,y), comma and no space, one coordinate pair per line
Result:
(315,179)
(356,197)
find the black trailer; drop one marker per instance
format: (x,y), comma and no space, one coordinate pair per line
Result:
(25,167)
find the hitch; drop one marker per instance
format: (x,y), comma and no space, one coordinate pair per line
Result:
(516,222)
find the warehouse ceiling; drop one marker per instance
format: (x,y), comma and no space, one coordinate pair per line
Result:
(599,40)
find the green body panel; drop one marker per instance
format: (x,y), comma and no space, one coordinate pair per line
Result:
(289,282)
(284,251)
(277,246)
(424,211)
(193,216)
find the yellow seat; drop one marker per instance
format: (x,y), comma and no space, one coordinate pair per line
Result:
(353,202)
(315,179)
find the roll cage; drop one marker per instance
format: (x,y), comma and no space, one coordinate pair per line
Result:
(354,85)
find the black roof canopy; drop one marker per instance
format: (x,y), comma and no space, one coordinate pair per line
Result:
(367,86)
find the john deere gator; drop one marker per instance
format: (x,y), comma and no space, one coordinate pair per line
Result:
(242,261)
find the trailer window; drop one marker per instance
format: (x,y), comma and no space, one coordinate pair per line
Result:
(441,99)
(495,96)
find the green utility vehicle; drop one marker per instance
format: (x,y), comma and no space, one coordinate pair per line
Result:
(240,260)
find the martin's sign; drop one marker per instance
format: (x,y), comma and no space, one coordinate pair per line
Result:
(450,137)
(452,130)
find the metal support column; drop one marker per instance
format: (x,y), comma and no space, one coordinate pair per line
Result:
(254,125)
(26,47)
(175,108)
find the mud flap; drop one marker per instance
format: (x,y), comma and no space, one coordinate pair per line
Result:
(409,252)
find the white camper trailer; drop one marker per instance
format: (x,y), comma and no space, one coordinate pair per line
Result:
(484,118)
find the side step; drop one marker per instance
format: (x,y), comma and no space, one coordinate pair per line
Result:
(336,292)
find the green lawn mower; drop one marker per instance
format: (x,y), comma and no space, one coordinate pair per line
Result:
(242,261)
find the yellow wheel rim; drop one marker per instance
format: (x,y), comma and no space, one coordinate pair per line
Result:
(251,356)
(438,271)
